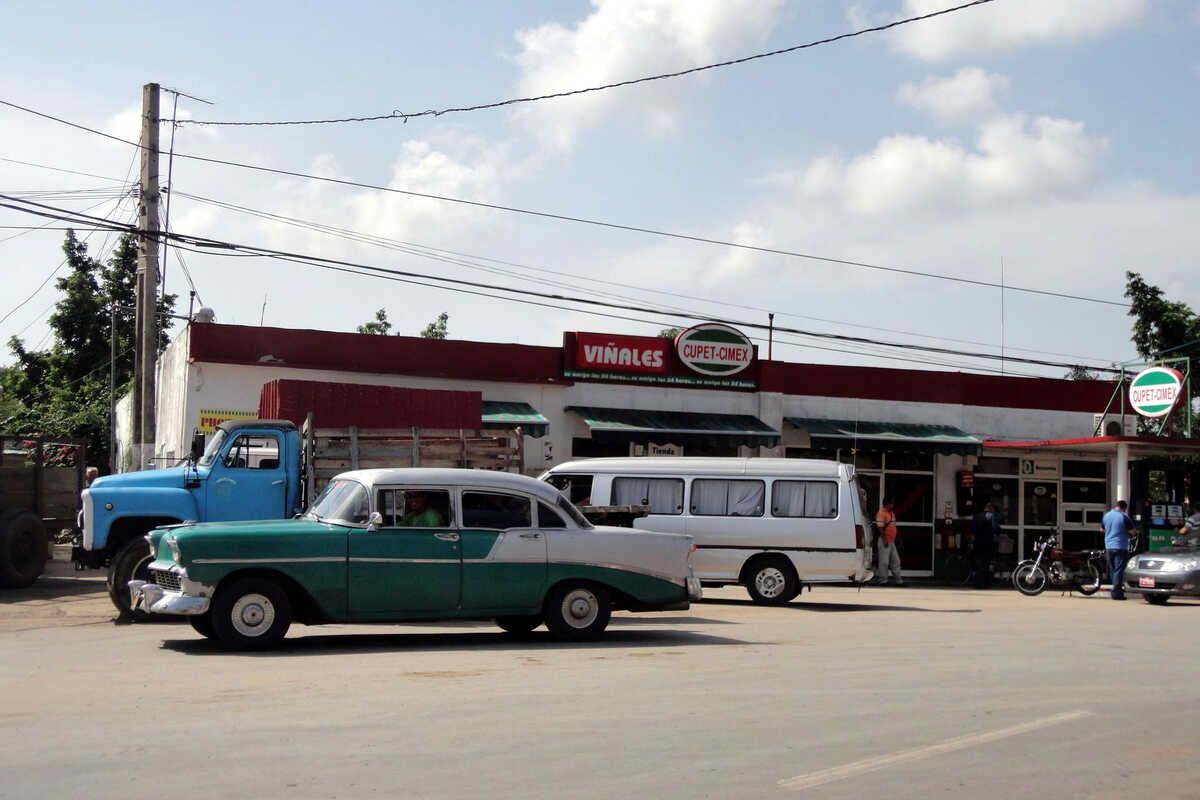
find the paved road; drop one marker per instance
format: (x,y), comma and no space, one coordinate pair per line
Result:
(843,694)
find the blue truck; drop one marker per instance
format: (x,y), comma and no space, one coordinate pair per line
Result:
(254,469)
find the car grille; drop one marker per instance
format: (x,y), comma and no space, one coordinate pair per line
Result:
(1150,563)
(167,580)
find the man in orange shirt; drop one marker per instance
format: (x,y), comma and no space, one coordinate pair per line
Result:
(889,558)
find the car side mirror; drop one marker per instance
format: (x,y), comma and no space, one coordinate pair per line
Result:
(374,521)
(197,445)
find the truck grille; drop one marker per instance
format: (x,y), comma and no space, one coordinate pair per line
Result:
(167,580)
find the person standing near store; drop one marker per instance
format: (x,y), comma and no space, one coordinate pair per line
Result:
(1117,526)
(888,563)
(984,527)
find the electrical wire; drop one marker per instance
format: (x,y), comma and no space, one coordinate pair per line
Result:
(592,222)
(221,247)
(406,116)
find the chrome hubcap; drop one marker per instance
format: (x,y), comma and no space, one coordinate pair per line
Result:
(769,582)
(253,615)
(580,608)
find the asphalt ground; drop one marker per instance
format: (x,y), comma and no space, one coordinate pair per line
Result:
(883,692)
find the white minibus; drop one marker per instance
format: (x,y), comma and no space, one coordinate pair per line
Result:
(770,524)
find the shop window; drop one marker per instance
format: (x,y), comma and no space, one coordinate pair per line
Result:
(495,510)
(915,544)
(1085,469)
(1000,492)
(817,499)
(995,465)
(1083,491)
(913,496)
(1041,503)
(663,495)
(913,462)
(722,498)
(861,459)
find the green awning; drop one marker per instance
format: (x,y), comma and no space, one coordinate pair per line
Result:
(501,414)
(892,436)
(630,424)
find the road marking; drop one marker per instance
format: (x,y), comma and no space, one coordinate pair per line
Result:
(822,777)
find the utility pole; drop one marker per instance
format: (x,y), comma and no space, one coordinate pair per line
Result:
(146,351)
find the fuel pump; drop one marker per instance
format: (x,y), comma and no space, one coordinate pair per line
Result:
(1161,490)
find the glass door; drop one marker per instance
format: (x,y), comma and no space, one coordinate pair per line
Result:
(1039,508)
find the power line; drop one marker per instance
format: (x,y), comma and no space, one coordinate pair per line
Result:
(592,222)
(406,116)
(57,169)
(468,260)
(221,247)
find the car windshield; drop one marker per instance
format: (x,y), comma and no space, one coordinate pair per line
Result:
(341,501)
(214,447)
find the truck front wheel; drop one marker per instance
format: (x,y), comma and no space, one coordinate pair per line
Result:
(23,547)
(132,562)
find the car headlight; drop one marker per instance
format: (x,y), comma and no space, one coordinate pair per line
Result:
(173,546)
(1191,565)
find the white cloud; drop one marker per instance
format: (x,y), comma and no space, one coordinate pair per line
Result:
(626,39)
(1006,25)
(1016,157)
(127,124)
(961,97)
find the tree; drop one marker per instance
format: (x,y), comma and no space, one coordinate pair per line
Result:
(1163,329)
(670,333)
(64,391)
(379,326)
(1081,373)
(437,328)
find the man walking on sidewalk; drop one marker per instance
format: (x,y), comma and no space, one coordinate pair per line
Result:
(889,557)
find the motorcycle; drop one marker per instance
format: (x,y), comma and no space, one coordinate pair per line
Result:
(1080,571)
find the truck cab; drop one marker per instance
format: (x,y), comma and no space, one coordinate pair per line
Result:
(250,469)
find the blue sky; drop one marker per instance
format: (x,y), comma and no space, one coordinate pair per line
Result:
(1057,136)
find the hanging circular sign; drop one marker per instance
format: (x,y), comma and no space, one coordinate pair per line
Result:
(1154,391)
(713,349)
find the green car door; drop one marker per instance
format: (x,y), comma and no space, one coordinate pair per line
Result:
(504,554)
(410,565)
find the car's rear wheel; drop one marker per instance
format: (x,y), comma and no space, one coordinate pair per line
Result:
(1156,599)
(772,581)
(251,614)
(578,612)
(519,626)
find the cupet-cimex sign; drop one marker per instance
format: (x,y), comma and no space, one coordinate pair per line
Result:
(1154,391)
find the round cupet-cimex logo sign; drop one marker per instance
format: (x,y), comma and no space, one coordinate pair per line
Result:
(1154,391)
(713,349)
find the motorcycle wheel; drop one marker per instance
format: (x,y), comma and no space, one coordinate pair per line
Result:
(1092,584)
(1029,579)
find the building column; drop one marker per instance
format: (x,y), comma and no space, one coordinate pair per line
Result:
(1121,479)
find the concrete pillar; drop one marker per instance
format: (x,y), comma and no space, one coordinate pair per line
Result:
(1121,478)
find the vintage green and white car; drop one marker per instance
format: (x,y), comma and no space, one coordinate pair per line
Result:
(395,545)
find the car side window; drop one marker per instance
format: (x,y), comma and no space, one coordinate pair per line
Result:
(495,510)
(253,451)
(549,518)
(414,507)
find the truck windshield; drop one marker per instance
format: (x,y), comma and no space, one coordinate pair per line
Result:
(214,447)
(341,501)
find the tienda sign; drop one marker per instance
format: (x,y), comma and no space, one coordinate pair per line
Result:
(621,353)
(1155,391)
(713,349)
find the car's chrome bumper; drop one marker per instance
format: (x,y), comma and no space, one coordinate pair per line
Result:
(693,588)
(154,599)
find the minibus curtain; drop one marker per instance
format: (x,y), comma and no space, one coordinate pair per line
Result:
(804,499)
(727,498)
(663,495)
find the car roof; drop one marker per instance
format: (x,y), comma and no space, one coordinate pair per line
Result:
(467,478)
(231,425)
(698,465)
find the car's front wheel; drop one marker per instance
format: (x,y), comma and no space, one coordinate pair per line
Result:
(203,625)
(578,612)
(251,614)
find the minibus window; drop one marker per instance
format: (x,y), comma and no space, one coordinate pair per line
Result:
(576,488)
(804,499)
(724,498)
(663,495)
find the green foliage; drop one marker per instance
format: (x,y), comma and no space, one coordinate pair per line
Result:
(437,328)
(670,333)
(379,326)
(1164,329)
(1081,373)
(64,391)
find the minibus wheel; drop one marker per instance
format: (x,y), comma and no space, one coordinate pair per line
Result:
(771,580)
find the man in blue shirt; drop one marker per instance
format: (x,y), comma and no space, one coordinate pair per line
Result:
(1117,526)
